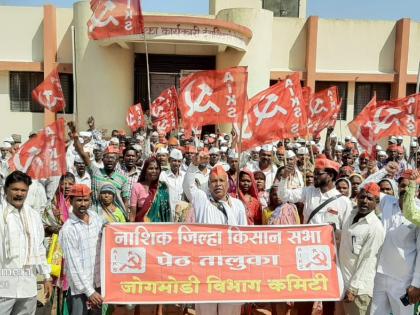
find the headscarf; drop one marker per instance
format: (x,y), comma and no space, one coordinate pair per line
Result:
(253,207)
(393,184)
(348,183)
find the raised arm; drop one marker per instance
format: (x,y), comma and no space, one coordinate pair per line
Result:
(289,195)
(189,186)
(409,202)
(77,145)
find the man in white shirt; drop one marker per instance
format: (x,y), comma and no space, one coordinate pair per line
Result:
(216,207)
(322,204)
(173,178)
(22,252)
(295,180)
(266,165)
(82,177)
(189,153)
(80,239)
(398,271)
(361,240)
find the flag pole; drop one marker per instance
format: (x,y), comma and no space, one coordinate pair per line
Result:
(417,91)
(75,110)
(147,69)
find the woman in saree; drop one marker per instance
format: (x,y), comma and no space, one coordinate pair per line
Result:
(262,193)
(248,194)
(149,197)
(108,208)
(53,218)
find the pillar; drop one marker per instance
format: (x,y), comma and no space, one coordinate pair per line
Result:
(402,38)
(50,50)
(311,47)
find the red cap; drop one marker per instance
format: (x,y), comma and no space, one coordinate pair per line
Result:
(326,163)
(281,150)
(372,188)
(218,171)
(190,149)
(364,155)
(80,190)
(173,141)
(111,149)
(407,174)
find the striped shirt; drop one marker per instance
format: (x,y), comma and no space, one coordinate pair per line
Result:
(132,176)
(99,177)
(81,247)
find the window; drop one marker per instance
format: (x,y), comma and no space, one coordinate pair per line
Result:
(342,91)
(411,89)
(287,8)
(22,84)
(365,92)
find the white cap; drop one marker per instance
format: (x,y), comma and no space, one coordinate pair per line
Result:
(392,140)
(333,136)
(399,138)
(155,133)
(212,135)
(267,147)
(223,149)
(302,151)
(162,150)
(220,138)
(85,134)
(378,148)
(339,148)
(290,154)
(382,153)
(296,146)
(5,145)
(289,146)
(9,140)
(256,149)
(233,154)
(140,138)
(200,144)
(413,144)
(114,140)
(137,147)
(223,141)
(176,154)
(214,151)
(77,159)
(300,140)
(353,139)
(347,138)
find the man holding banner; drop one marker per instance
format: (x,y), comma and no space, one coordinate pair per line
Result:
(216,208)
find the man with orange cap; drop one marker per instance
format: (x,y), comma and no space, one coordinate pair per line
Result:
(398,271)
(217,207)
(361,240)
(79,239)
(323,203)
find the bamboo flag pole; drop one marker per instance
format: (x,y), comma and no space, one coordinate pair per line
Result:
(415,110)
(75,109)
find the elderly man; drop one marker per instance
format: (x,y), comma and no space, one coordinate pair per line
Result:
(322,204)
(295,179)
(162,155)
(266,165)
(361,240)
(107,174)
(398,271)
(173,178)
(80,239)
(214,157)
(216,208)
(22,252)
(189,153)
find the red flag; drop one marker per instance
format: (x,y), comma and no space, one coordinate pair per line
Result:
(49,93)
(379,120)
(113,18)
(213,97)
(275,113)
(164,111)
(323,109)
(44,155)
(135,118)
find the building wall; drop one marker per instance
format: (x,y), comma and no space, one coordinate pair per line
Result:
(288,44)
(414,48)
(356,46)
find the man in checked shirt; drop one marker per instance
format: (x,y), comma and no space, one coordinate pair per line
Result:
(80,239)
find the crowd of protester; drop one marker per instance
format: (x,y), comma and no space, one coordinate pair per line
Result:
(372,203)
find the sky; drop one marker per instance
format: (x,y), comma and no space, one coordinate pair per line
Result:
(339,9)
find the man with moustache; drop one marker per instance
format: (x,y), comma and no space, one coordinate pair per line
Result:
(266,165)
(107,174)
(361,240)
(322,204)
(129,168)
(189,153)
(216,207)
(22,252)
(80,240)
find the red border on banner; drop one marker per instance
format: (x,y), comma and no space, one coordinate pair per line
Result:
(196,263)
